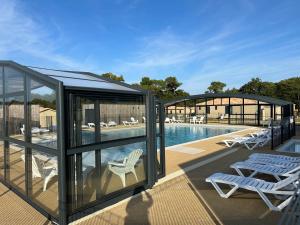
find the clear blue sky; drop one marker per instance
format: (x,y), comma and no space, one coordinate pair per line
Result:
(196,41)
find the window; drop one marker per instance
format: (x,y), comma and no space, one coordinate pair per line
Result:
(1,159)
(14,90)
(15,117)
(1,117)
(43,115)
(127,115)
(16,166)
(122,166)
(45,181)
(227,109)
(1,103)
(83,121)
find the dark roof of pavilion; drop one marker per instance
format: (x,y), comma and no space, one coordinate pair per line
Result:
(74,79)
(270,100)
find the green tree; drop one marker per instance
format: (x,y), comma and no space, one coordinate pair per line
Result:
(289,90)
(172,84)
(113,76)
(258,87)
(163,89)
(216,87)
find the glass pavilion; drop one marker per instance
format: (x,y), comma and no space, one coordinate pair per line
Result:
(67,145)
(227,108)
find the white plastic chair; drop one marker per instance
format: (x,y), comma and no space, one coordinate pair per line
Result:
(39,170)
(127,166)
(259,186)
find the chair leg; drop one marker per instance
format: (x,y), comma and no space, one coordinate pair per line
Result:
(46,180)
(134,173)
(272,206)
(221,193)
(122,176)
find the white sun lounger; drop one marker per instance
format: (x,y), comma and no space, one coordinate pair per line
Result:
(277,157)
(276,162)
(253,143)
(111,123)
(259,186)
(274,170)
(168,120)
(236,140)
(174,120)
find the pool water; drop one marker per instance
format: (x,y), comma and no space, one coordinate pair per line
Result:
(292,146)
(174,134)
(178,134)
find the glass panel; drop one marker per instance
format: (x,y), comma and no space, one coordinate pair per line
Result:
(1,158)
(89,177)
(1,82)
(236,109)
(16,166)
(278,113)
(43,115)
(250,114)
(14,82)
(250,101)
(1,102)
(236,101)
(225,101)
(15,117)
(123,166)
(265,115)
(217,101)
(122,118)
(84,121)
(158,162)
(45,181)
(1,117)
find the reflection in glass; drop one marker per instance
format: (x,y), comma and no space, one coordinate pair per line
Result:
(84,121)
(15,117)
(14,82)
(89,177)
(125,118)
(16,166)
(44,181)
(122,166)
(1,117)
(43,115)
(1,158)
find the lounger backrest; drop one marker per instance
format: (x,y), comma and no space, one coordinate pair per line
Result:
(133,157)
(194,118)
(286,181)
(132,119)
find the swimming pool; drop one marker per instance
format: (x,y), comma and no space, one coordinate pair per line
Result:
(292,146)
(182,133)
(174,134)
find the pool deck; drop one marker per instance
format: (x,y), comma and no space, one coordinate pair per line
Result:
(182,197)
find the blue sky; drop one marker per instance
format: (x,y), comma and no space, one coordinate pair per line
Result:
(196,41)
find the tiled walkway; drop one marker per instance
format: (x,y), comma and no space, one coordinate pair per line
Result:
(14,211)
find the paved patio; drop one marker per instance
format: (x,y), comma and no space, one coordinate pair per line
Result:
(184,199)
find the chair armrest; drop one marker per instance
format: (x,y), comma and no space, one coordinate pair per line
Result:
(116,164)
